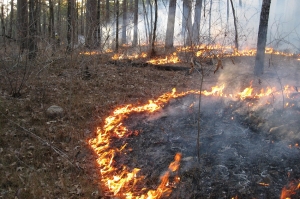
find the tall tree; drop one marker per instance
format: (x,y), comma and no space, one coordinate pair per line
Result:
(51,30)
(107,11)
(117,24)
(70,25)
(58,23)
(236,43)
(197,19)
(10,30)
(262,37)
(186,22)
(135,22)
(91,23)
(98,28)
(32,42)
(124,25)
(169,42)
(3,26)
(22,23)
(154,30)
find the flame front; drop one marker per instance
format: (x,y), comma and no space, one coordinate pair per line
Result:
(122,181)
(289,190)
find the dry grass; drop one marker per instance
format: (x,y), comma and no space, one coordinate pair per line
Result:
(29,165)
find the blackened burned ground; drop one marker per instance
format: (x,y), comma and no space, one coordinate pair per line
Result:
(238,157)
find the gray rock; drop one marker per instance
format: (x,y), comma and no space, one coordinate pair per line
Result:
(55,111)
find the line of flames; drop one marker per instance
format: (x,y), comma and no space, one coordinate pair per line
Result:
(121,182)
(208,51)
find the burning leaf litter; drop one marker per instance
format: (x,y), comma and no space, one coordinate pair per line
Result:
(125,182)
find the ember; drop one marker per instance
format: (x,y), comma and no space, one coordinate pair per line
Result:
(115,147)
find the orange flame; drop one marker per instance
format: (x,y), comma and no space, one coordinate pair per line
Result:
(121,182)
(289,190)
(173,58)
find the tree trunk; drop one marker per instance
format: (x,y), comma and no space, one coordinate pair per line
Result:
(58,23)
(124,35)
(197,19)
(170,25)
(91,23)
(22,23)
(98,29)
(187,22)
(262,37)
(51,21)
(236,43)
(3,27)
(81,19)
(10,30)
(69,28)
(135,22)
(107,11)
(154,31)
(209,21)
(32,44)
(117,25)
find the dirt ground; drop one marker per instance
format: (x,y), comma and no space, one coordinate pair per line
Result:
(42,157)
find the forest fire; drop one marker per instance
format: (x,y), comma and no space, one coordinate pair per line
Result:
(289,190)
(128,183)
(208,51)
(173,58)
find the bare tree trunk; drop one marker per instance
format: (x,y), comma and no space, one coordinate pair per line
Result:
(98,29)
(236,43)
(262,37)
(151,19)
(227,16)
(135,22)
(124,22)
(91,23)
(10,30)
(197,19)
(51,21)
(44,27)
(81,19)
(32,43)
(58,23)
(154,31)
(187,22)
(107,11)
(3,27)
(22,23)
(169,43)
(117,25)
(209,21)
(146,23)
(69,28)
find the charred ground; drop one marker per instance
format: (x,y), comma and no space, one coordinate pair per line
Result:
(30,166)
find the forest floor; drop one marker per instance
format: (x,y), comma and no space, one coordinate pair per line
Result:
(42,157)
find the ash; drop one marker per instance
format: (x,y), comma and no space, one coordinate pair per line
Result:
(244,152)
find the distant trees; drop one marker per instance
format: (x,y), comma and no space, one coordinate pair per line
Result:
(262,37)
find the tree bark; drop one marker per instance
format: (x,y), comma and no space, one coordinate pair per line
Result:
(236,43)
(135,22)
(107,11)
(3,27)
(262,38)
(32,43)
(22,23)
(51,21)
(197,19)
(117,25)
(187,22)
(91,23)
(124,25)
(58,23)
(154,30)
(10,30)
(169,42)
(98,29)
